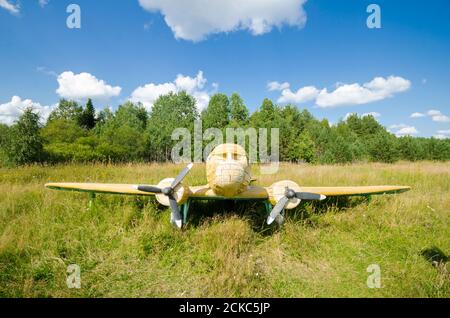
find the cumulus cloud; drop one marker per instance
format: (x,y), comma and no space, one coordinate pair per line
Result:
(417,115)
(194,20)
(276,86)
(434,114)
(442,134)
(302,95)
(194,86)
(355,94)
(84,85)
(404,130)
(11,111)
(344,94)
(373,114)
(12,8)
(437,116)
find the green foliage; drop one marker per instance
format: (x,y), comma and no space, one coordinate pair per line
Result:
(383,147)
(411,148)
(217,114)
(25,145)
(364,126)
(62,131)
(121,137)
(238,111)
(4,139)
(68,110)
(131,133)
(4,133)
(168,113)
(301,149)
(87,117)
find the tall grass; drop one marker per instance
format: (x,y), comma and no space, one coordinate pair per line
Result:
(125,245)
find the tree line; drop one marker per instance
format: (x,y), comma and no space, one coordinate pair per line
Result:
(76,133)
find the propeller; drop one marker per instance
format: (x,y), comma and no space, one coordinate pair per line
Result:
(175,217)
(289,194)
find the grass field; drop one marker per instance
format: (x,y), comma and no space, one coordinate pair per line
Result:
(125,246)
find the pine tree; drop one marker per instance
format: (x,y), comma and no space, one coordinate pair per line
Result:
(87,117)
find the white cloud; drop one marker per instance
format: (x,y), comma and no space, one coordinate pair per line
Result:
(11,111)
(373,114)
(417,115)
(437,116)
(43,3)
(404,130)
(12,8)
(344,94)
(302,95)
(276,86)
(46,71)
(355,94)
(433,112)
(84,85)
(442,134)
(398,126)
(194,86)
(195,19)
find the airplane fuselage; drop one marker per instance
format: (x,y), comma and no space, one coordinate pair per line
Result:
(228,170)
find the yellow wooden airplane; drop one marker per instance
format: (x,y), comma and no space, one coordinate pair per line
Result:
(229,178)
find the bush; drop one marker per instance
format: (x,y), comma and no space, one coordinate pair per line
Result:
(25,144)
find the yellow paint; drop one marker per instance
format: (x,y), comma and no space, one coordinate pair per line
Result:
(227,170)
(229,176)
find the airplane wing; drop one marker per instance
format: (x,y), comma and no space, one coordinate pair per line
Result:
(98,188)
(360,190)
(205,192)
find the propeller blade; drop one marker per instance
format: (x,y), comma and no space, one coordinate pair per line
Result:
(145,188)
(309,196)
(279,219)
(176,216)
(181,176)
(277,209)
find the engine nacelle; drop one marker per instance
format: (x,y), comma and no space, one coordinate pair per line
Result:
(180,193)
(278,189)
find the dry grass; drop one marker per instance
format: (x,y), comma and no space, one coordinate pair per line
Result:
(125,246)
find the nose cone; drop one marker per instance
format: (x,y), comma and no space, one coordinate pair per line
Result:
(229,178)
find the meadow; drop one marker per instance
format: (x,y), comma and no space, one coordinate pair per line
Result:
(126,247)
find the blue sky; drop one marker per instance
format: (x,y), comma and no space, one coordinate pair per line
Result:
(319,55)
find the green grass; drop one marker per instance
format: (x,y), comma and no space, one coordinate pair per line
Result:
(125,246)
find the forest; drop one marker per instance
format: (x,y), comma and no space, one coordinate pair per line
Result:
(77,133)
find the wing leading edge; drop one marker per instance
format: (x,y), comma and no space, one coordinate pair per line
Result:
(204,192)
(129,189)
(359,190)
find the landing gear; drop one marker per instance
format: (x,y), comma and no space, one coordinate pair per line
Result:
(268,206)
(185,210)
(280,217)
(92,197)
